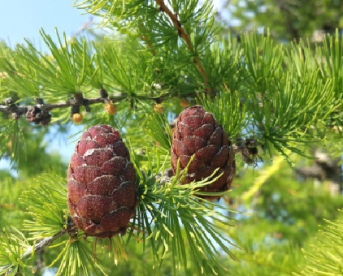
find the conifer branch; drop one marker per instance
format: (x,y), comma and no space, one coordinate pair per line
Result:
(183,34)
(39,113)
(42,244)
(35,249)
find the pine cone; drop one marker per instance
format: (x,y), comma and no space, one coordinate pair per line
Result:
(102,188)
(197,132)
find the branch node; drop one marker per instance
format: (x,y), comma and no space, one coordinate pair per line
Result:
(248,150)
(37,114)
(75,109)
(86,105)
(9,101)
(103,93)
(78,97)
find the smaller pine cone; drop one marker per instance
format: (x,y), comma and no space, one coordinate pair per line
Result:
(158,108)
(111,108)
(77,118)
(102,187)
(184,103)
(197,133)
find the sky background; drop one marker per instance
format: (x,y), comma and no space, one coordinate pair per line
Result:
(22,19)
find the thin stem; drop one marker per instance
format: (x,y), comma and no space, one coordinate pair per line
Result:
(37,248)
(183,34)
(42,244)
(22,109)
(16,110)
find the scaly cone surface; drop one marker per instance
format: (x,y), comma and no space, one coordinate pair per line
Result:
(102,188)
(197,133)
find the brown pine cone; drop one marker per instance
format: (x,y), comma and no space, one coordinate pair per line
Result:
(197,132)
(102,187)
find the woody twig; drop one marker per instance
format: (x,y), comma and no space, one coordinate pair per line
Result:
(183,34)
(39,113)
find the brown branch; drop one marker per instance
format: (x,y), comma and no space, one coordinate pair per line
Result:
(183,34)
(40,112)
(42,244)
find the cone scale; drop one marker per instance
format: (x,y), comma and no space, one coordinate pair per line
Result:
(102,189)
(197,133)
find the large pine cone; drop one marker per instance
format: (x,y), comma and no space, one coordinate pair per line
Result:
(102,188)
(197,133)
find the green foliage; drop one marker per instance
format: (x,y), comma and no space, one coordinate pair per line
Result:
(24,144)
(12,246)
(13,144)
(154,124)
(325,255)
(128,68)
(330,62)
(228,102)
(171,208)
(280,112)
(10,207)
(46,206)
(76,258)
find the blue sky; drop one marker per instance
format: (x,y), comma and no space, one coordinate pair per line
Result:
(24,18)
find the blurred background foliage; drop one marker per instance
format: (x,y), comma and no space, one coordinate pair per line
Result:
(287,20)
